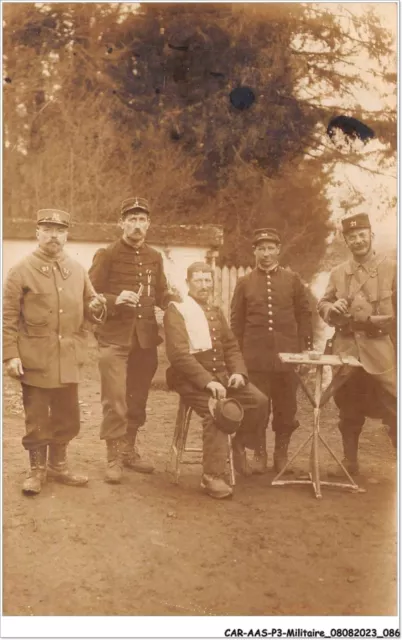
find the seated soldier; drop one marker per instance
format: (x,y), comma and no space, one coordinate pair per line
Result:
(206,361)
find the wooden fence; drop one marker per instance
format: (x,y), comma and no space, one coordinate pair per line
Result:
(225,282)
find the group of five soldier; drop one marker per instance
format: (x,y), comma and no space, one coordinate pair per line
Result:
(50,302)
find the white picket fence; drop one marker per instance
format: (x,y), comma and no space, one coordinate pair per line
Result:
(225,283)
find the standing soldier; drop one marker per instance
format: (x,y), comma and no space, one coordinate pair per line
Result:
(360,302)
(270,313)
(130,275)
(46,297)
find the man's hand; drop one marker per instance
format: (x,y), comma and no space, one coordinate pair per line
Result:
(236,381)
(97,304)
(217,389)
(340,307)
(130,298)
(14,368)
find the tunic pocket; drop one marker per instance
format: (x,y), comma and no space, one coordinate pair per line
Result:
(36,310)
(33,351)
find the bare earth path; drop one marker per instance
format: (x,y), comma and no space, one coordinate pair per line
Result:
(148,547)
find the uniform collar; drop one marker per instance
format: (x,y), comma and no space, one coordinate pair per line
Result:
(273,269)
(371,265)
(44,263)
(203,305)
(141,247)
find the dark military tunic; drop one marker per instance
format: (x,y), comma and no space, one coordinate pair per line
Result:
(121,267)
(270,314)
(198,369)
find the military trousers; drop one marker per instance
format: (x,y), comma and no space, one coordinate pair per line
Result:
(126,374)
(52,416)
(215,442)
(280,387)
(361,397)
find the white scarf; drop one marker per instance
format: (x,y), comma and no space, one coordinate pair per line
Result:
(196,324)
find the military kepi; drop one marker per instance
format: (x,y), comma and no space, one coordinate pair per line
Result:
(228,414)
(358,221)
(53,216)
(269,235)
(134,204)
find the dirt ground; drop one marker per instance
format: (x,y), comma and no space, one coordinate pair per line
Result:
(149,547)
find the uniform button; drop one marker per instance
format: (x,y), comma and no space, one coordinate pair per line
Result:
(213,338)
(270,329)
(137,253)
(269,306)
(54,268)
(214,369)
(212,318)
(140,264)
(140,274)
(214,359)
(60,337)
(270,313)
(270,321)
(139,316)
(60,288)
(213,329)
(60,310)
(139,304)
(208,308)
(269,297)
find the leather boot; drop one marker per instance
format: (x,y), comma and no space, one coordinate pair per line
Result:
(240,458)
(114,469)
(132,458)
(282,441)
(37,475)
(350,443)
(58,467)
(216,487)
(259,462)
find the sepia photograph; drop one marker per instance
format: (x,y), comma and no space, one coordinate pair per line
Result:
(200,265)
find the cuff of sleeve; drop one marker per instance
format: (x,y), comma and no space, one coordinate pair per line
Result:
(110,304)
(205,380)
(242,373)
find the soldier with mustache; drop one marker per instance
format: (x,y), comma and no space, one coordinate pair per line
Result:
(360,303)
(130,275)
(47,298)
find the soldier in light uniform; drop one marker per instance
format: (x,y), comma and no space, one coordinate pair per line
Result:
(47,296)
(206,361)
(270,314)
(360,302)
(130,275)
